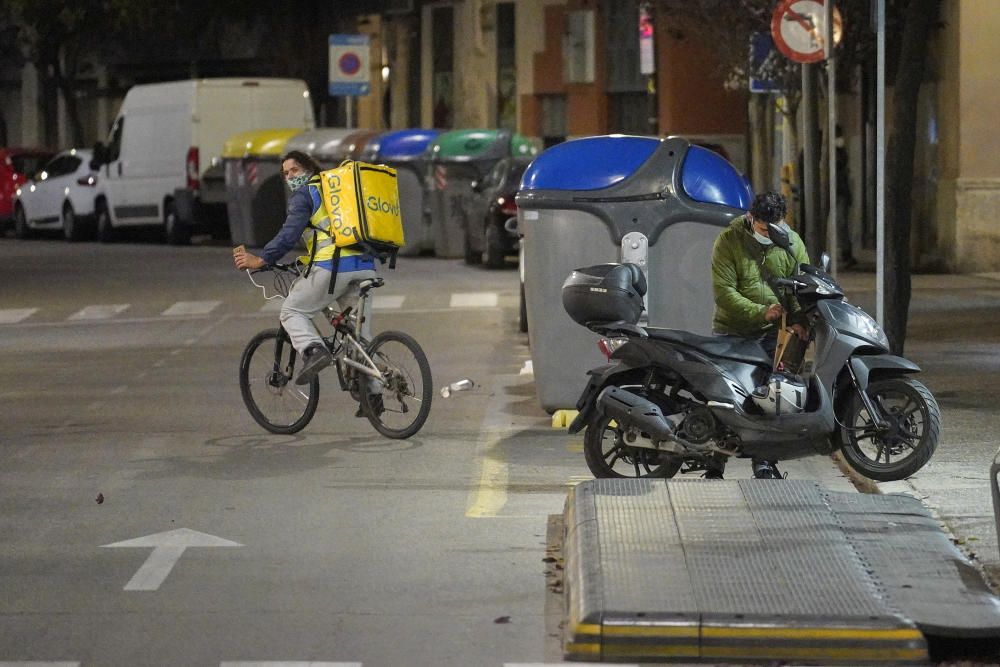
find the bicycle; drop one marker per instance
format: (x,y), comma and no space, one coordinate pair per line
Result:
(391,360)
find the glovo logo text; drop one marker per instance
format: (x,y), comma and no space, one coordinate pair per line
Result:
(334,206)
(380,205)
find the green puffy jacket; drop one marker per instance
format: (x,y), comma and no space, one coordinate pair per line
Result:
(742,296)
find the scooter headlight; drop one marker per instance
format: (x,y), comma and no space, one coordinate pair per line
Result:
(870,328)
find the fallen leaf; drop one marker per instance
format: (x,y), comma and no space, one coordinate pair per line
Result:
(502,619)
(100,498)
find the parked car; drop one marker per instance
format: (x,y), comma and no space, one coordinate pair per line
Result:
(486,238)
(60,196)
(163,161)
(17,165)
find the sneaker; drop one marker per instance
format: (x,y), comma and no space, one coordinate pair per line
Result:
(315,359)
(712,473)
(765,470)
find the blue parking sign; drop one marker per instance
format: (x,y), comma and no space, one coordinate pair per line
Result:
(764,60)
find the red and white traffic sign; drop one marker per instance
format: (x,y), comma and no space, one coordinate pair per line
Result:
(799,29)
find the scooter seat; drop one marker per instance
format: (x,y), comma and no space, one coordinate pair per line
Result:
(736,348)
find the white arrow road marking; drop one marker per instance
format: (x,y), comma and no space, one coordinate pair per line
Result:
(13,316)
(167,550)
(475,300)
(99,312)
(191,308)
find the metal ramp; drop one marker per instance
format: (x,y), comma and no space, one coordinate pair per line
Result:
(761,570)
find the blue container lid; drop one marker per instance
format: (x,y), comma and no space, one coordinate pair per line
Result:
(707,177)
(593,163)
(403,144)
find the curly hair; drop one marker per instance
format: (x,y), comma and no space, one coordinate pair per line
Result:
(768,207)
(303,159)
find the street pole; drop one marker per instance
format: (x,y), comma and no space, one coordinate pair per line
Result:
(880,164)
(831,136)
(810,124)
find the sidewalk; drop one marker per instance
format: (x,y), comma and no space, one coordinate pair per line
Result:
(954,335)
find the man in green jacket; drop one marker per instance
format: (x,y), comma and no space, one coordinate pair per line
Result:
(743,259)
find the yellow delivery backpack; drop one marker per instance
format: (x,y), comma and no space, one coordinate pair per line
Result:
(362,205)
(362,201)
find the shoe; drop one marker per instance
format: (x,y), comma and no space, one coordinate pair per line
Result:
(378,407)
(765,470)
(315,359)
(712,473)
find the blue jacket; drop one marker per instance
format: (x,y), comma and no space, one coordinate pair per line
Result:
(301,205)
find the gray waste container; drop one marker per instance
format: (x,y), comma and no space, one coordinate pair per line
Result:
(406,152)
(255,192)
(457,160)
(657,202)
(322,144)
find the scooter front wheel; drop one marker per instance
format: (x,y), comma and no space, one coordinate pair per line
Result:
(608,454)
(914,426)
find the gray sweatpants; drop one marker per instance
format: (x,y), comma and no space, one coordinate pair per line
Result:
(308,296)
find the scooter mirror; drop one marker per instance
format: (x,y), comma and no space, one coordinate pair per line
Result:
(824,262)
(779,236)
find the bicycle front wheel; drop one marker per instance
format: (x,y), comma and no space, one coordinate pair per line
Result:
(269,391)
(402,407)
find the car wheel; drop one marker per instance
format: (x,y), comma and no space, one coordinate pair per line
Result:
(494,255)
(72,226)
(105,231)
(175,230)
(21,229)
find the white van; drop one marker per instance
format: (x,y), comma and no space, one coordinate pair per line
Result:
(162,164)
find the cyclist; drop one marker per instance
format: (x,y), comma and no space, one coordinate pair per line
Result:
(310,293)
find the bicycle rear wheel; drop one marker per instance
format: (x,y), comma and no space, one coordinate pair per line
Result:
(402,407)
(269,391)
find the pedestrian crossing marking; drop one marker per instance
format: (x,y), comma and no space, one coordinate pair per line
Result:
(389,301)
(204,308)
(475,300)
(15,315)
(102,312)
(191,308)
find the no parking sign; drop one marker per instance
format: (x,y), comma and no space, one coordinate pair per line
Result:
(799,29)
(350,72)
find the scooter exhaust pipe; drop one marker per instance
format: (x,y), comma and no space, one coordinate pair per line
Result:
(630,409)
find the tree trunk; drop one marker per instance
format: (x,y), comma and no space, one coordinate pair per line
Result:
(66,73)
(920,16)
(760,163)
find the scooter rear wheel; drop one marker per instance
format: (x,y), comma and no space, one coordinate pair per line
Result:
(609,455)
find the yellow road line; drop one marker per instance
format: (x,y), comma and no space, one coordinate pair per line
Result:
(490,496)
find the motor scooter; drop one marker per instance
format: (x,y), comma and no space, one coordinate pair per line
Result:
(671,401)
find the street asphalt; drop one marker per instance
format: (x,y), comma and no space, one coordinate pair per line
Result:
(123,421)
